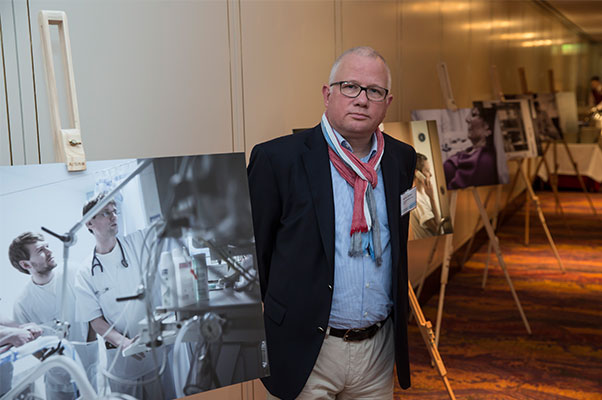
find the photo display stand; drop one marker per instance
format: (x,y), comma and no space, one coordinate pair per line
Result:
(522,171)
(553,176)
(426,330)
(68,144)
(448,249)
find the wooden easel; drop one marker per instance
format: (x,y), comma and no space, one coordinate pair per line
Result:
(448,249)
(522,171)
(67,142)
(426,329)
(553,177)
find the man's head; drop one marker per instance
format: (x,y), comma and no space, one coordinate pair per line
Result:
(29,254)
(595,82)
(104,223)
(363,73)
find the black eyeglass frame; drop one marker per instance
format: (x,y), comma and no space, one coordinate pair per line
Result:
(362,88)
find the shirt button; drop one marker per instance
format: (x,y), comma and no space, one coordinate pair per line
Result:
(330,287)
(321,330)
(368,284)
(365,313)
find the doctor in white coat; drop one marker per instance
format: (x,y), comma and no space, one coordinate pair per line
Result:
(39,303)
(113,271)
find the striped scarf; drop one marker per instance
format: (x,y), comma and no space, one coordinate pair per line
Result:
(365,229)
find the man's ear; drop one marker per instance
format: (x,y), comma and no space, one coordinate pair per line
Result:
(326,94)
(89,224)
(25,264)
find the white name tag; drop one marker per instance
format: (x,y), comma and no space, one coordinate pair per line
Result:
(408,201)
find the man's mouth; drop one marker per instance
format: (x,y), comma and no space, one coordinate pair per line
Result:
(358,116)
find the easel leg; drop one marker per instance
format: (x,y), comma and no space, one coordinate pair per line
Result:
(498,252)
(474,232)
(426,330)
(495,223)
(579,177)
(554,186)
(542,219)
(527,209)
(447,253)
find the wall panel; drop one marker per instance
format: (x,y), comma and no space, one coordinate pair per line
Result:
(375,24)
(144,87)
(287,50)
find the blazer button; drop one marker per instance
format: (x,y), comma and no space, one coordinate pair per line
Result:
(321,330)
(330,287)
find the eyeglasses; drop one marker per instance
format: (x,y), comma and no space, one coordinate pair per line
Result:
(107,213)
(352,90)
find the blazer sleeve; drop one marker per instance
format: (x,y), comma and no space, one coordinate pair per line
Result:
(266,208)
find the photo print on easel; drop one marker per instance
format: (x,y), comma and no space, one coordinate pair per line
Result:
(515,124)
(431,217)
(472,150)
(544,117)
(182,227)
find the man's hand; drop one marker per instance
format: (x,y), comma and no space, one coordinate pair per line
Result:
(35,330)
(127,342)
(428,188)
(17,336)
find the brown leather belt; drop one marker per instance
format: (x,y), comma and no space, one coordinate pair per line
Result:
(356,335)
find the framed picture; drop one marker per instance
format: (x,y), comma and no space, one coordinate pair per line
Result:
(431,217)
(472,150)
(175,241)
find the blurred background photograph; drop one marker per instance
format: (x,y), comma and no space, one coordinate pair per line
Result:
(472,150)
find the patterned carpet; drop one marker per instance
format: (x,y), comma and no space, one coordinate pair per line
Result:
(484,345)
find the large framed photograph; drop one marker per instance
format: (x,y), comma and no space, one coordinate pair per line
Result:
(472,150)
(159,286)
(431,217)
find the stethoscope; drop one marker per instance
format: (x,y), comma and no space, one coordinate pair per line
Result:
(96,262)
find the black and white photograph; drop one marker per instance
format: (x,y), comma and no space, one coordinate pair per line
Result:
(431,217)
(134,277)
(542,107)
(516,126)
(472,150)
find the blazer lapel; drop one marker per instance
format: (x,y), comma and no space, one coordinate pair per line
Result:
(390,171)
(317,167)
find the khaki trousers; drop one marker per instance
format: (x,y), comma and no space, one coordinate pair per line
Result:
(353,370)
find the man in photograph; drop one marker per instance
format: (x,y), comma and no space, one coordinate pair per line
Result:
(332,244)
(113,271)
(39,303)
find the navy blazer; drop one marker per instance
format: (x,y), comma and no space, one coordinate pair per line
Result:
(293,217)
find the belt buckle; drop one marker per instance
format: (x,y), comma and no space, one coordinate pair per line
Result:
(346,335)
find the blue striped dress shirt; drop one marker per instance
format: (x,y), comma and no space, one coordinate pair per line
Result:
(362,290)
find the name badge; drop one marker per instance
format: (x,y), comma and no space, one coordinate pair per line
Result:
(408,201)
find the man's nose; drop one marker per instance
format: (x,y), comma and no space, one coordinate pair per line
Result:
(362,98)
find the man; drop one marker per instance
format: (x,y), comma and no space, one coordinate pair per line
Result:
(39,303)
(595,96)
(424,219)
(13,334)
(111,272)
(332,246)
